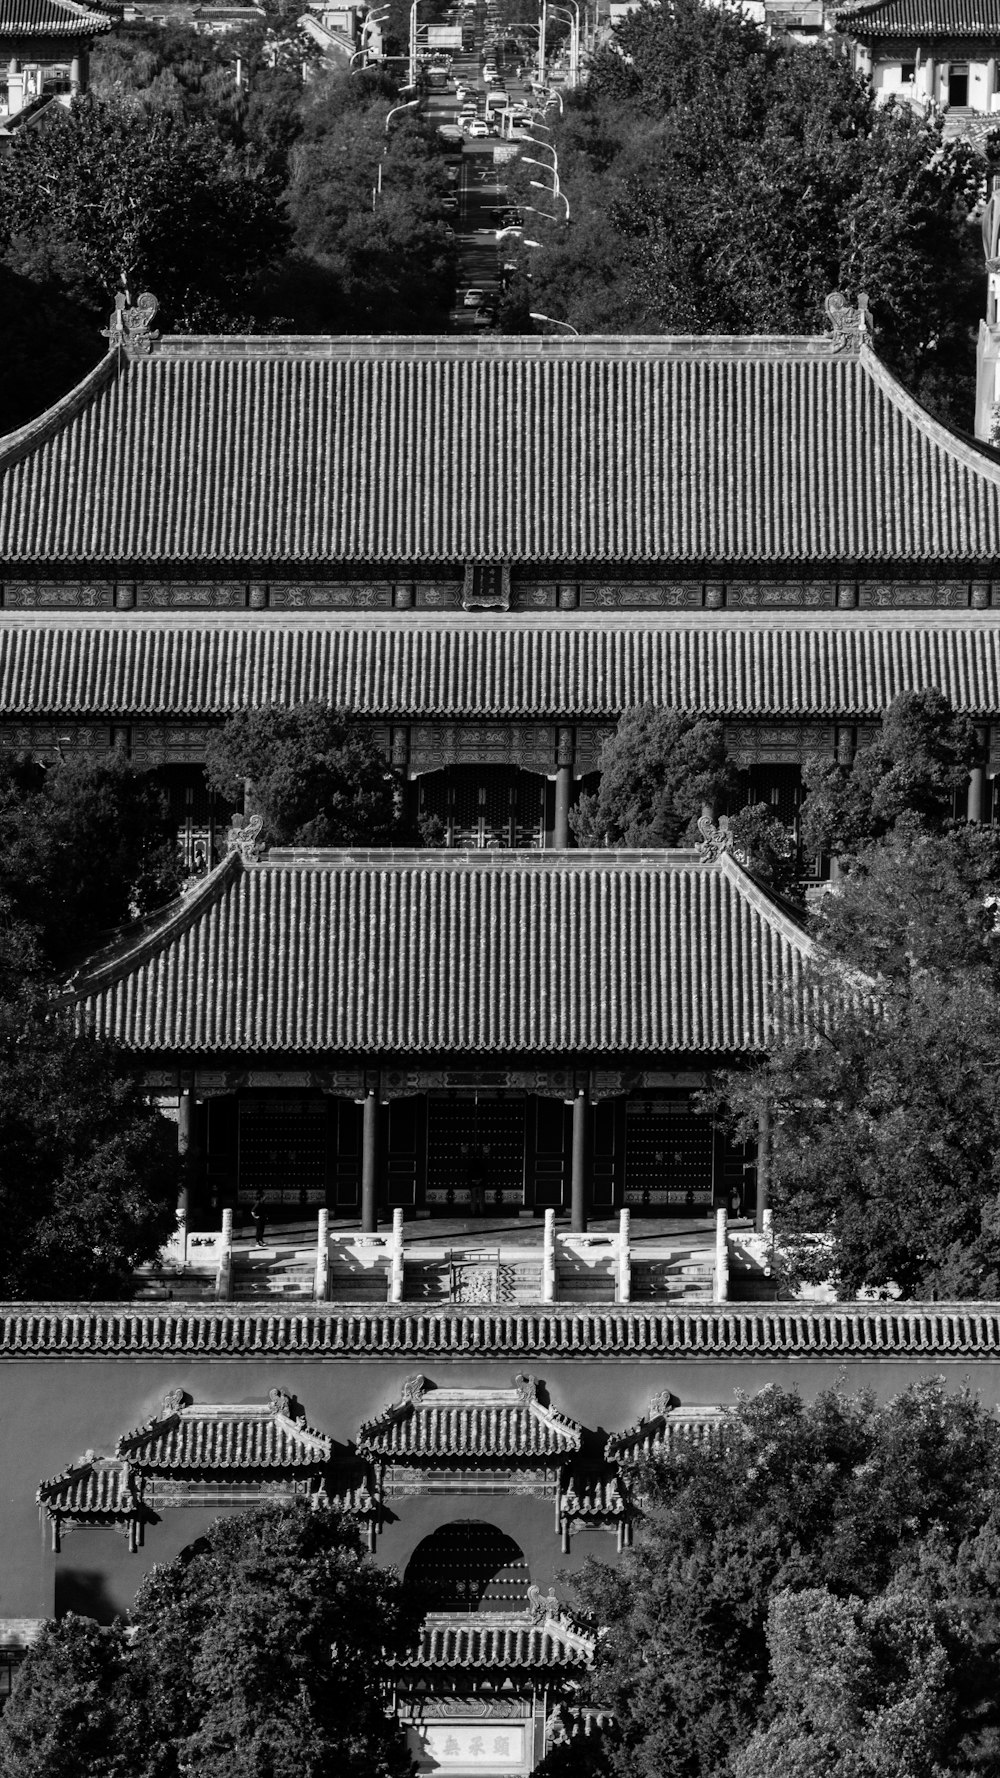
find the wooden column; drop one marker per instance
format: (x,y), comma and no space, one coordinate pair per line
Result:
(369,1139)
(763,1165)
(977,777)
(578,1177)
(564,789)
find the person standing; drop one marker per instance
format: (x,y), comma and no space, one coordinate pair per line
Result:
(258,1210)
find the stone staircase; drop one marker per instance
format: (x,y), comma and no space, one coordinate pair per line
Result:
(152,1285)
(687,1276)
(282,1274)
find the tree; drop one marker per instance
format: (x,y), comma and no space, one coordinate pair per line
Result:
(256,1654)
(89,1172)
(842,1497)
(388,259)
(861,1689)
(66,1722)
(120,201)
(921,756)
(659,772)
(885,1117)
(317,779)
(85,845)
(721,181)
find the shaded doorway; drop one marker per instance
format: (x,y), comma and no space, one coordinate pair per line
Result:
(468,1565)
(481,807)
(669,1155)
(475,1144)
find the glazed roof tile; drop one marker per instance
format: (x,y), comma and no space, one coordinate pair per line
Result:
(754,1332)
(923,19)
(431,953)
(556,666)
(658,1431)
(50,18)
(95,1488)
(458,1425)
(501,1642)
(520,450)
(225,1439)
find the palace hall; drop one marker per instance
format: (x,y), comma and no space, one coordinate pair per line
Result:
(483,550)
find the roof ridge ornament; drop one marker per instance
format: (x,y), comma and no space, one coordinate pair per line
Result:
(851,326)
(131,325)
(242,836)
(716,836)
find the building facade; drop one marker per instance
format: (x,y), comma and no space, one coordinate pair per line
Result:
(941,55)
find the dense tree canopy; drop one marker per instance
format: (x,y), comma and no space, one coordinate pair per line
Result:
(317,779)
(257,1654)
(913,767)
(85,846)
(723,181)
(366,208)
(884,1110)
(659,771)
(89,1173)
(863,1541)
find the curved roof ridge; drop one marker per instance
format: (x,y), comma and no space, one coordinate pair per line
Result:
(776,913)
(971,452)
(133,944)
(45,425)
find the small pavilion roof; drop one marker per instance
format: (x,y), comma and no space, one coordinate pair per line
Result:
(548,666)
(925,20)
(94,1488)
(201,1438)
(50,18)
(665,1423)
(458,1425)
(399,452)
(499,1641)
(381,953)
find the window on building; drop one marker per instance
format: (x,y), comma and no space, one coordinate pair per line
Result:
(907,73)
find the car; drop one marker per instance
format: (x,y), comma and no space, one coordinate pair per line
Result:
(449,203)
(478,128)
(484,317)
(461,94)
(452,172)
(508,233)
(473,298)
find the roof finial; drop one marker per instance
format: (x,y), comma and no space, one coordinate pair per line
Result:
(242,836)
(131,327)
(851,326)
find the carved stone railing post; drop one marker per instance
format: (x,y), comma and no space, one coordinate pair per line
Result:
(321,1286)
(549,1258)
(623,1293)
(722,1255)
(396,1258)
(224,1269)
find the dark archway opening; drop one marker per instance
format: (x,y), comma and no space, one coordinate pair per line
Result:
(468,1565)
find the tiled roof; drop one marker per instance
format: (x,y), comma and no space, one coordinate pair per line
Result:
(920,1331)
(469,1424)
(501,1642)
(475,953)
(98,1487)
(923,19)
(555,666)
(224,1439)
(657,1431)
(518,450)
(50,18)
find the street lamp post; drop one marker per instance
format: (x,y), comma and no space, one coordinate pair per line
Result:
(561,195)
(571,12)
(410,105)
(553,322)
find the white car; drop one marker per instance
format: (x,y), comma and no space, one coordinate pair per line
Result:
(477,128)
(473,298)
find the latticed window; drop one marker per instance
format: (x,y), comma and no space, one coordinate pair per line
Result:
(469,1566)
